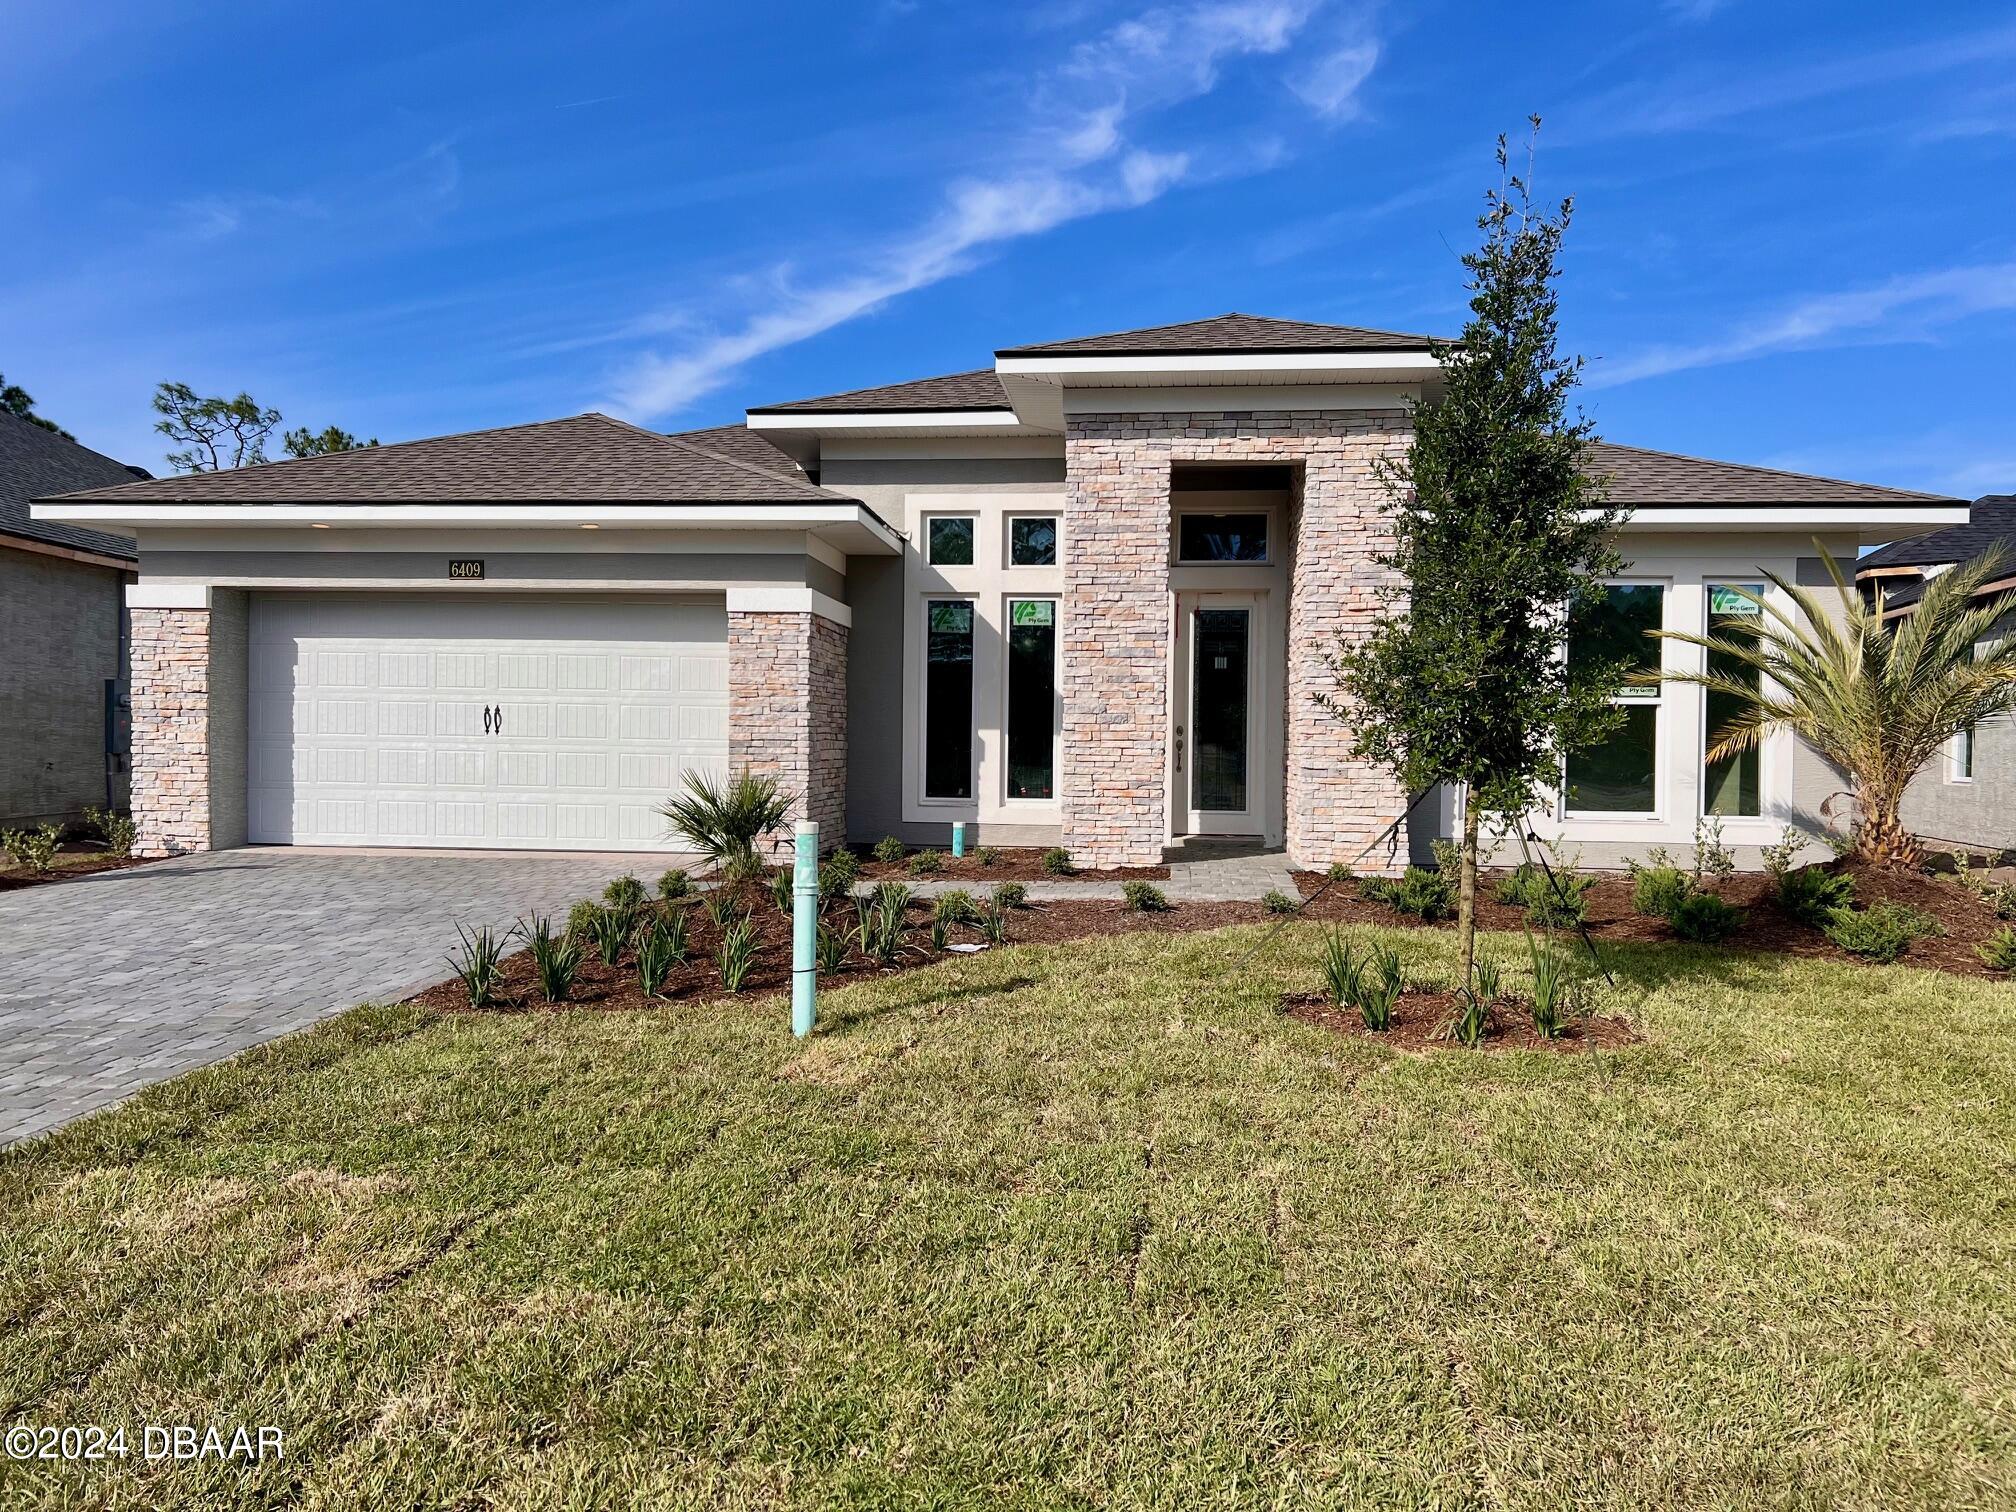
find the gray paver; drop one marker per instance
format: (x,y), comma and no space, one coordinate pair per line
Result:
(113,981)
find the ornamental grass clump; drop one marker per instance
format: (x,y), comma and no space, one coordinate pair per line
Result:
(879,921)
(1343,972)
(1881,932)
(610,930)
(479,965)
(556,957)
(1551,989)
(656,958)
(736,954)
(1471,1020)
(1144,897)
(829,949)
(782,896)
(719,905)
(993,924)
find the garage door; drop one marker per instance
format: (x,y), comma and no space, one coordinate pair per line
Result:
(518,724)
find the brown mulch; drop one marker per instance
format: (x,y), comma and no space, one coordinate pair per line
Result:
(1967,921)
(95,860)
(698,979)
(1420,1024)
(1013,863)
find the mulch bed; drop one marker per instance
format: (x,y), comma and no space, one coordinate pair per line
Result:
(1014,863)
(698,979)
(79,861)
(1967,921)
(1420,1024)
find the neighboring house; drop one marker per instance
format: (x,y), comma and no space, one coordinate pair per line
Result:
(1080,596)
(1969,796)
(62,632)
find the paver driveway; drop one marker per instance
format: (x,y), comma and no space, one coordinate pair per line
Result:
(110,982)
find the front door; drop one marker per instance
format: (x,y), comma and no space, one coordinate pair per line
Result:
(1218,789)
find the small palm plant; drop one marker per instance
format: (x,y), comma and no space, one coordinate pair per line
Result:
(726,820)
(1877,696)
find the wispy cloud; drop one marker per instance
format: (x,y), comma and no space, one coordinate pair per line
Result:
(1331,85)
(1075,160)
(1901,309)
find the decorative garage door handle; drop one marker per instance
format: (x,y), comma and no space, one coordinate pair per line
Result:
(498,715)
(486,719)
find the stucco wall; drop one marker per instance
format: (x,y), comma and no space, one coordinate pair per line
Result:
(1980,813)
(230,689)
(59,642)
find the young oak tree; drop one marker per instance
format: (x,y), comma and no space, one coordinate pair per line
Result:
(1497,528)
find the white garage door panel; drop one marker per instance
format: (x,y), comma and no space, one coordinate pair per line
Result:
(367,719)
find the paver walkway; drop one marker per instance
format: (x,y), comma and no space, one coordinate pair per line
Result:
(1200,871)
(114,981)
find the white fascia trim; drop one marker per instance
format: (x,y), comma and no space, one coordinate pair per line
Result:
(1065,368)
(168,596)
(922,420)
(491,516)
(1797,517)
(789,601)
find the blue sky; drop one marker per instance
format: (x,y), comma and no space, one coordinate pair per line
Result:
(1794,244)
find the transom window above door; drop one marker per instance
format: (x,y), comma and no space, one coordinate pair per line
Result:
(949,541)
(1221,537)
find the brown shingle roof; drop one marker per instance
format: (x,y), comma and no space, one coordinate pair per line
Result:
(1226,334)
(583,459)
(977,390)
(35,463)
(738,443)
(1990,522)
(1648,479)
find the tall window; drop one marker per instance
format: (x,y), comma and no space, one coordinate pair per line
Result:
(1732,787)
(1032,698)
(948,698)
(1963,755)
(1621,775)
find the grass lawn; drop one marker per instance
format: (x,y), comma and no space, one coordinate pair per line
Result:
(1089,1225)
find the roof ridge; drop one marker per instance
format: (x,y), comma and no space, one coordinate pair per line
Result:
(1771,472)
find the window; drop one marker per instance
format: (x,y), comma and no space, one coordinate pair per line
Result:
(1221,538)
(1620,775)
(1032,541)
(948,698)
(949,541)
(1730,788)
(1032,698)
(1963,756)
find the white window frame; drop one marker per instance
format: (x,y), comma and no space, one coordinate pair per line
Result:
(1008,603)
(1266,512)
(1766,788)
(1008,519)
(1657,702)
(925,798)
(1962,755)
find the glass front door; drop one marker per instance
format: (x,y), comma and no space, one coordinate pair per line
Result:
(1220,699)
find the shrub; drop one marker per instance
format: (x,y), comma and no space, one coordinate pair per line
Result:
(1550,988)
(843,865)
(725,820)
(1471,1020)
(1704,918)
(926,863)
(736,953)
(625,895)
(1338,872)
(1010,895)
(835,882)
(1711,857)
(1144,897)
(955,906)
(829,949)
(888,849)
(988,855)
(1424,895)
(993,922)
(1813,896)
(1998,953)
(480,964)
(556,958)
(581,919)
(1779,859)
(117,830)
(2000,896)
(1658,891)
(1276,901)
(1557,902)
(1343,973)
(674,885)
(35,849)
(1881,932)
(1057,862)
(656,958)
(610,930)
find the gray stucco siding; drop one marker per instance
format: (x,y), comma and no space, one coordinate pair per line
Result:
(59,642)
(230,701)
(425,569)
(1981,812)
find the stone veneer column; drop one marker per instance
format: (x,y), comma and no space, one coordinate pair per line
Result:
(1118,620)
(170,682)
(787,710)
(1114,783)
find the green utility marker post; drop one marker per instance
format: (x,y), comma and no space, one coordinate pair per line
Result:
(805,930)
(958,839)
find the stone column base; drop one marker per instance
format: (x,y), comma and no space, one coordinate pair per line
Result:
(787,711)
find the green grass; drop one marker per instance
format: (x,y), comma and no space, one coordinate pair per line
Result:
(1084,1227)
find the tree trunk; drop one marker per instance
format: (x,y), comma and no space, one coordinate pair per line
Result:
(1466,891)
(1881,839)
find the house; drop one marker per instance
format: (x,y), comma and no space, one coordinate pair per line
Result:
(1078,596)
(62,633)
(1969,797)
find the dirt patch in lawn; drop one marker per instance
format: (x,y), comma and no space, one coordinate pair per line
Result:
(1965,919)
(698,978)
(1013,863)
(71,861)
(1421,1023)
